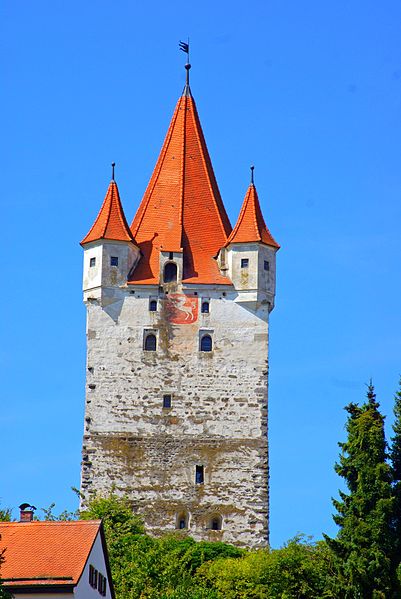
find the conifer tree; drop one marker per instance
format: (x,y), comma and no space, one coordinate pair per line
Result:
(395,455)
(363,547)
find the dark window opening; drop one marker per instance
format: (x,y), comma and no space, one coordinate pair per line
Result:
(170,272)
(266,265)
(215,523)
(150,342)
(170,255)
(199,475)
(101,585)
(244,262)
(182,521)
(205,308)
(113,260)
(206,343)
(153,306)
(166,401)
(92,262)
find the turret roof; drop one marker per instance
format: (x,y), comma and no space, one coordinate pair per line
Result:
(182,210)
(110,222)
(251,226)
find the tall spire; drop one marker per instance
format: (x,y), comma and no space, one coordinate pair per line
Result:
(182,210)
(251,226)
(110,223)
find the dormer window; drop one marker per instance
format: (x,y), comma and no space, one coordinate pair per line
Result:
(113,260)
(92,262)
(170,272)
(244,262)
(205,307)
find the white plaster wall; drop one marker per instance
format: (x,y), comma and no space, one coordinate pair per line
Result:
(43,595)
(83,590)
(218,417)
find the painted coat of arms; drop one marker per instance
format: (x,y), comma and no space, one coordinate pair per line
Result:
(182,309)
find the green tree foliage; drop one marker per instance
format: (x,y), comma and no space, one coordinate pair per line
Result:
(395,455)
(364,543)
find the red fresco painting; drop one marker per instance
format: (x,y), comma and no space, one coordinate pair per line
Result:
(182,309)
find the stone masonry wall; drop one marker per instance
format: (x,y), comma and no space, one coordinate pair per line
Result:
(217,419)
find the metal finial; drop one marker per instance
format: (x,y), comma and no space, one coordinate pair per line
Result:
(184,46)
(252,169)
(113,164)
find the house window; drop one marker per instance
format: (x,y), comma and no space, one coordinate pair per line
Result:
(166,401)
(92,262)
(170,272)
(153,305)
(150,342)
(113,260)
(266,265)
(244,262)
(206,343)
(205,307)
(215,523)
(199,475)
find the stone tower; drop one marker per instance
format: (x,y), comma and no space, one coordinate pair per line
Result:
(177,342)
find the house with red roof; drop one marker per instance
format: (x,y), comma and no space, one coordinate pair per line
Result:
(55,559)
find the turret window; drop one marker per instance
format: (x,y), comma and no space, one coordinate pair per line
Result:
(206,343)
(244,262)
(266,265)
(199,475)
(150,342)
(170,272)
(92,262)
(113,260)
(152,305)
(205,307)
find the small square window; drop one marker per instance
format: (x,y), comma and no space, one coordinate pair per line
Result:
(92,262)
(266,265)
(113,260)
(166,401)
(244,262)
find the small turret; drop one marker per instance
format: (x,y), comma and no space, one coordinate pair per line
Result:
(110,251)
(249,256)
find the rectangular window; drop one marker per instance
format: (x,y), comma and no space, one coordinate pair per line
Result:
(199,475)
(244,262)
(152,305)
(113,260)
(101,585)
(92,262)
(266,265)
(166,401)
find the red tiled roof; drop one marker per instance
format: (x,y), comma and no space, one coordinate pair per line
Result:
(182,209)
(110,222)
(251,226)
(46,553)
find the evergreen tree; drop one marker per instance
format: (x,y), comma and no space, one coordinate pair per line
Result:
(363,547)
(395,454)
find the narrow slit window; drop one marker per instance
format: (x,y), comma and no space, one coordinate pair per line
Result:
(150,342)
(205,309)
(206,343)
(266,265)
(170,255)
(199,475)
(166,401)
(244,262)
(170,272)
(153,306)
(113,260)
(92,262)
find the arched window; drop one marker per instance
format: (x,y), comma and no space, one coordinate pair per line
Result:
(215,523)
(205,307)
(206,343)
(153,306)
(182,521)
(170,272)
(150,342)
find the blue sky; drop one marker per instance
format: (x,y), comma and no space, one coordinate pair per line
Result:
(311,94)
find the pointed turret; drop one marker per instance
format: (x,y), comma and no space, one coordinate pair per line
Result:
(181,218)
(110,250)
(249,255)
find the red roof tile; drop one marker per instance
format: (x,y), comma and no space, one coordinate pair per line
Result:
(39,551)
(110,222)
(251,226)
(182,209)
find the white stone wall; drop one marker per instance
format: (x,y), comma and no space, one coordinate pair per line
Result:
(218,417)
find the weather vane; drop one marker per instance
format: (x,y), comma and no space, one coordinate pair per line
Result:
(252,169)
(184,46)
(113,164)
